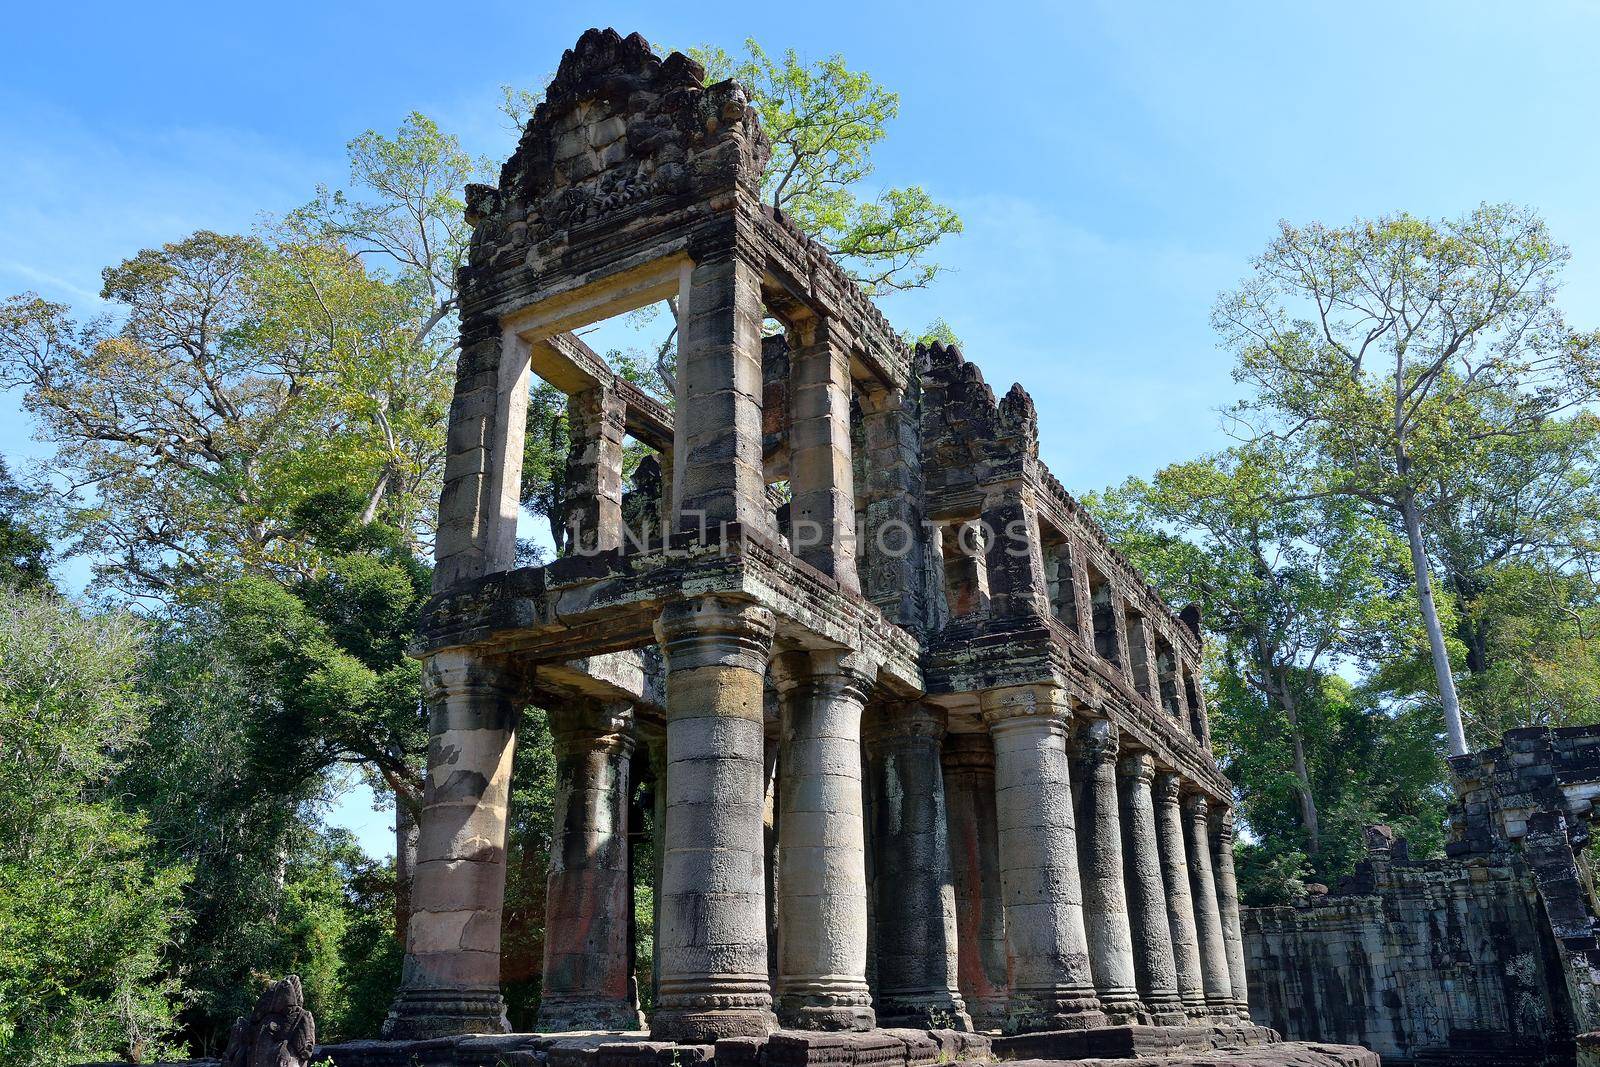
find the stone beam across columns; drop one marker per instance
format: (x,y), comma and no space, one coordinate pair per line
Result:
(1207,915)
(1148,921)
(712,941)
(1180,904)
(450,981)
(1228,906)
(915,900)
(1105,905)
(975,874)
(822,885)
(586,949)
(1052,986)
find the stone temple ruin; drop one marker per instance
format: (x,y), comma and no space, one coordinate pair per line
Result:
(1489,956)
(927,752)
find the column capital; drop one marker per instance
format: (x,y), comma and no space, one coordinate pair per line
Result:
(1099,740)
(455,672)
(905,718)
(1197,807)
(830,670)
(1223,817)
(1168,787)
(1021,704)
(1137,766)
(592,723)
(715,631)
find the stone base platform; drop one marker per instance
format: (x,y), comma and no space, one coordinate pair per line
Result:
(1111,1046)
(1122,1046)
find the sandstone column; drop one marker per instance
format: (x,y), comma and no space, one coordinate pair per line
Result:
(915,912)
(822,887)
(1147,898)
(1052,986)
(712,941)
(717,466)
(596,421)
(450,983)
(895,552)
(1207,917)
(975,874)
(1228,906)
(1105,904)
(586,947)
(1180,904)
(823,512)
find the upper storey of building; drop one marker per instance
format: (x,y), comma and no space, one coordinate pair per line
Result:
(877,496)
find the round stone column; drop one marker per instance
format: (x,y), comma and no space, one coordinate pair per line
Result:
(1052,987)
(1105,904)
(915,922)
(822,885)
(586,947)
(975,875)
(1228,906)
(450,981)
(1207,917)
(712,940)
(1147,897)
(1180,904)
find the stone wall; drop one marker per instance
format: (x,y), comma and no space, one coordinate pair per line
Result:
(1488,955)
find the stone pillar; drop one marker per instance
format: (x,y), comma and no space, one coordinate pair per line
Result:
(479,501)
(586,945)
(915,907)
(450,982)
(822,886)
(822,519)
(966,583)
(1105,904)
(1147,898)
(975,874)
(597,424)
(1141,656)
(718,474)
(712,940)
(1228,906)
(1207,917)
(1180,904)
(1014,559)
(655,740)
(895,549)
(1052,986)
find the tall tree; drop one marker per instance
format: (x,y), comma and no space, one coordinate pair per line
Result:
(1387,352)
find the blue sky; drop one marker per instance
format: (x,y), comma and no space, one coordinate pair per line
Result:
(1116,164)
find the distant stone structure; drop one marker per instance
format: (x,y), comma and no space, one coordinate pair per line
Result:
(926,751)
(1489,956)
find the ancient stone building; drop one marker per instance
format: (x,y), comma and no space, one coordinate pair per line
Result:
(1489,956)
(927,751)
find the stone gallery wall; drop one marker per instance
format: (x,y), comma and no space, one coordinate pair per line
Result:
(1486,956)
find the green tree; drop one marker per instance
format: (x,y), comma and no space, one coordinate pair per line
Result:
(1292,586)
(24,548)
(1388,353)
(86,916)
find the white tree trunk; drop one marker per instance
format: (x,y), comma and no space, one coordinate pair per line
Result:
(1454,734)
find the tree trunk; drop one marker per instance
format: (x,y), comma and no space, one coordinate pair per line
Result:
(405,864)
(1454,734)
(1308,802)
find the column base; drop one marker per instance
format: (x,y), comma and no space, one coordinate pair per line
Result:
(826,1011)
(988,1013)
(563,1015)
(423,1013)
(1122,1008)
(1166,1011)
(1028,1013)
(938,1010)
(708,1019)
